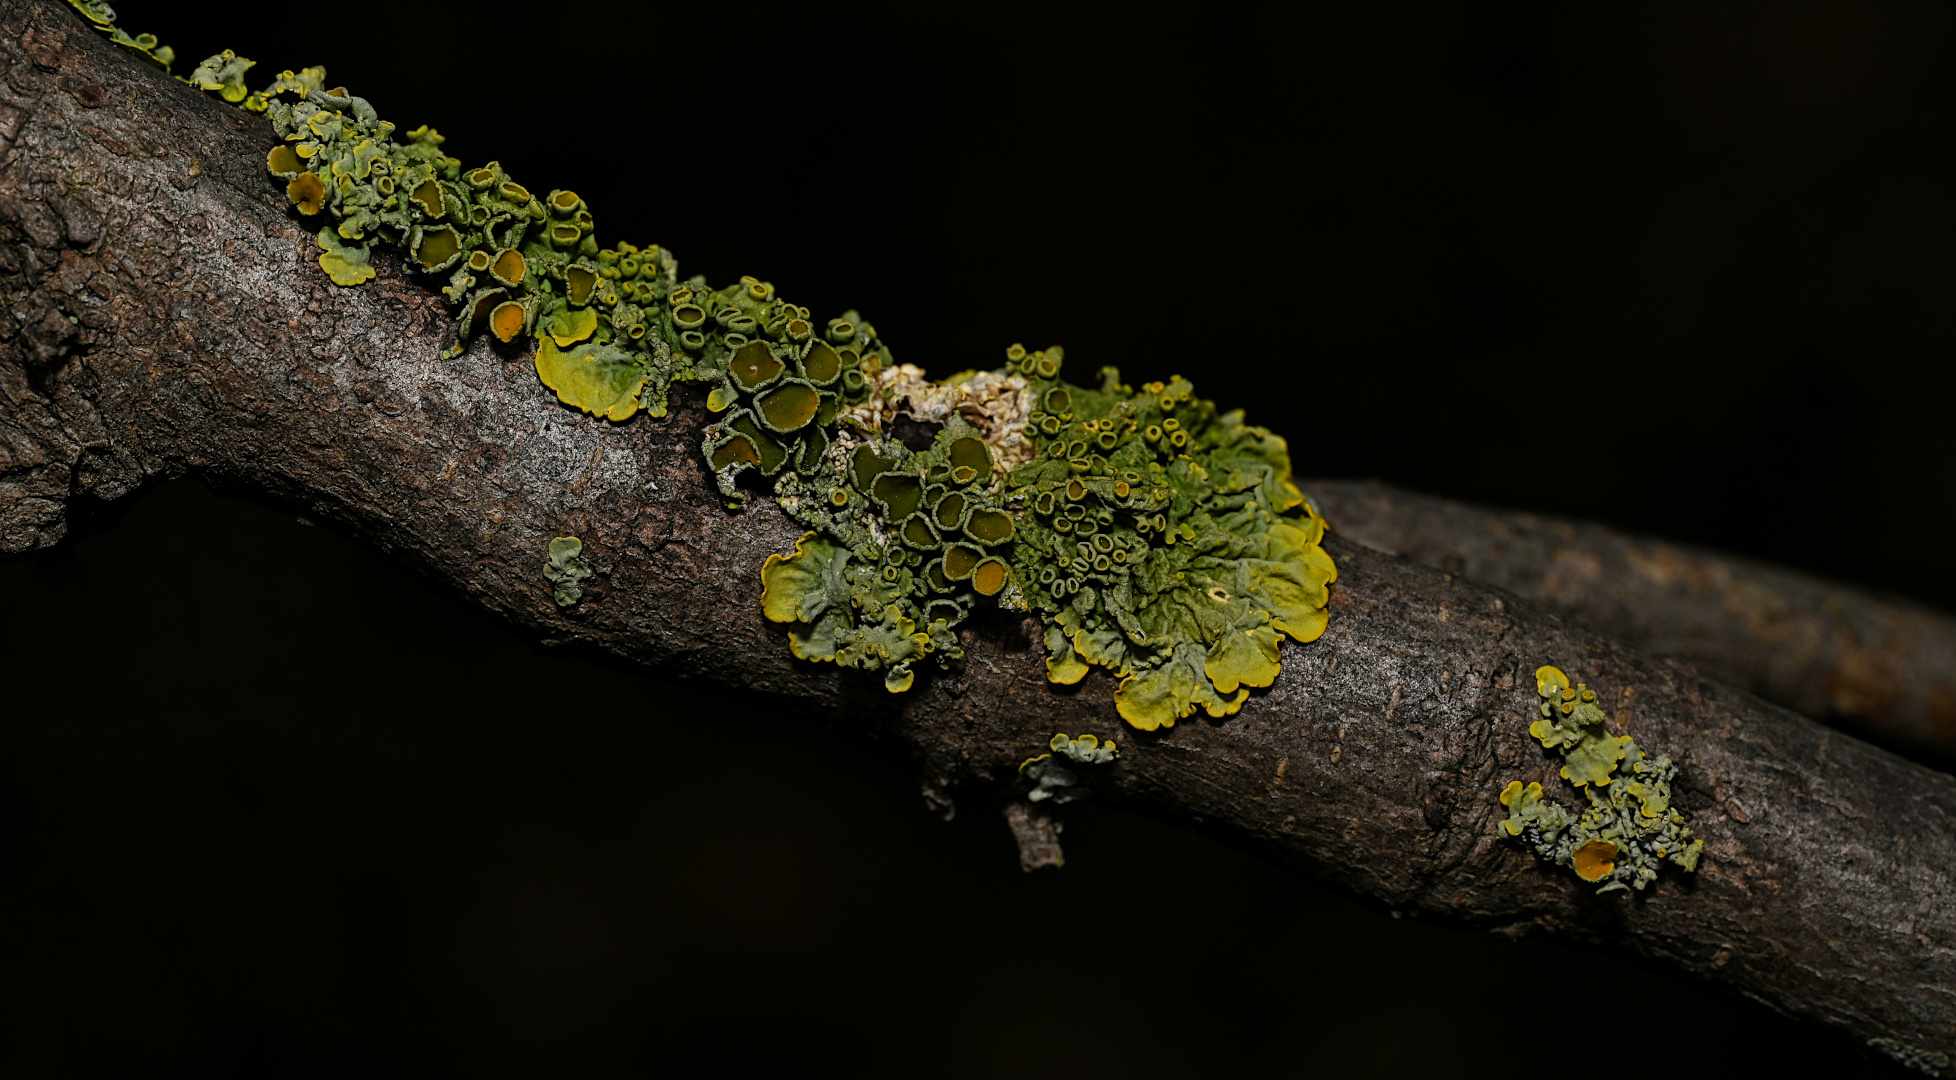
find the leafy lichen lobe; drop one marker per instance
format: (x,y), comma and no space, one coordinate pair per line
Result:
(1630,826)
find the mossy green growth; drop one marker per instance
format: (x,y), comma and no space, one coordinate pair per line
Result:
(1157,537)
(1630,826)
(565,568)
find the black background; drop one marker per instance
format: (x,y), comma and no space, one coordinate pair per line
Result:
(273,806)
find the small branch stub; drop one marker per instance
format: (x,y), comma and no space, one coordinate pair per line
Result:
(1037,834)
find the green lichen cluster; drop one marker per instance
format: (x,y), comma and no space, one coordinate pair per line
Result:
(103,18)
(1157,537)
(1162,540)
(906,545)
(1630,827)
(566,569)
(608,339)
(1047,779)
(777,384)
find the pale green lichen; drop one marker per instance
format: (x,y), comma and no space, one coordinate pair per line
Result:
(1087,749)
(103,18)
(1048,779)
(1932,1062)
(566,569)
(346,263)
(1157,537)
(1630,827)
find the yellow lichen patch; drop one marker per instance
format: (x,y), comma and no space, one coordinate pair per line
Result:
(345,263)
(438,248)
(989,577)
(572,325)
(580,283)
(1244,657)
(789,408)
(899,493)
(479,308)
(283,163)
(1066,670)
(1158,697)
(989,526)
(792,585)
(754,366)
(428,195)
(971,453)
(1518,799)
(507,320)
(719,398)
(1595,860)
(735,451)
(1547,677)
(601,380)
(961,560)
(918,534)
(1629,827)
(307,192)
(822,364)
(509,268)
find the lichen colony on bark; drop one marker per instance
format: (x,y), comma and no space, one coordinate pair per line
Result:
(167,313)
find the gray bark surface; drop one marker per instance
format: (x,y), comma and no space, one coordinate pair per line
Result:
(166,315)
(1880,665)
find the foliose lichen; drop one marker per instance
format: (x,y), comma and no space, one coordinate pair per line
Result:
(1048,779)
(1087,749)
(102,16)
(1630,827)
(1156,536)
(566,569)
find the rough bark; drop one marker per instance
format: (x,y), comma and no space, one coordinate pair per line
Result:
(167,316)
(1877,665)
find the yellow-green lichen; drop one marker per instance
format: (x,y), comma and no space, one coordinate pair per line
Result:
(1087,749)
(1047,779)
(1630,826)
(103,17)
(345,263)
(1163,540)
(566,569)
(1157,537)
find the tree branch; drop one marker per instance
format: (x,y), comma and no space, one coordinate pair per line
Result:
(167,316)
(1875,664)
